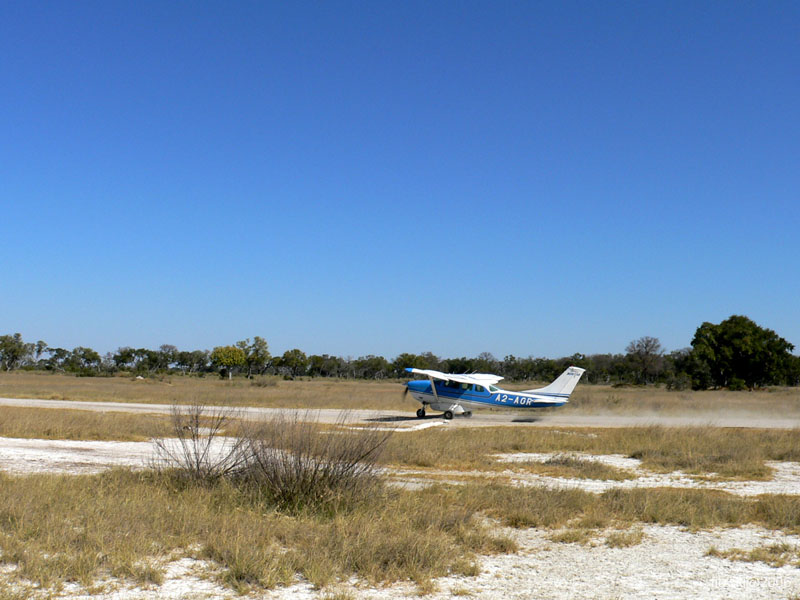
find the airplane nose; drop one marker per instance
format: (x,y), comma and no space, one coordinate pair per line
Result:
(416,386)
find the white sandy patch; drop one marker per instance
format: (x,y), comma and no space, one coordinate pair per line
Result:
(785,480)
(405,428)
(75,457)
(669,563)
(21,455)
(79,457)
(185,578)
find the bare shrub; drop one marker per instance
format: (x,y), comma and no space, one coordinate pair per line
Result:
(297,463)
(290,460)
(200,449)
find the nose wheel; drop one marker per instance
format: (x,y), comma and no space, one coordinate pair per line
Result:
(420,413)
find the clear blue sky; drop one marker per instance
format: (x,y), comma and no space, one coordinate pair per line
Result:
(528,178)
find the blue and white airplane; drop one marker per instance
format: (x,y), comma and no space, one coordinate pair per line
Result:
(460,394)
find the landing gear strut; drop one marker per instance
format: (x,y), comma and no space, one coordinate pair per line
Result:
(420,412)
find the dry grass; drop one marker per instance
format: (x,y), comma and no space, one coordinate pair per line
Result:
(338,595)
(57,424)
(624,539)
(691,508)
(573,536)
(731,453)
(725,452)
(775,555)
(129,524)
(574,467)
(126,525)
(267,392)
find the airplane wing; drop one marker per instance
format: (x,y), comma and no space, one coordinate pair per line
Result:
(475,378)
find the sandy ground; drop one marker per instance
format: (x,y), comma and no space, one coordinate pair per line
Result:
(670,562)
(21,456)
(401,420)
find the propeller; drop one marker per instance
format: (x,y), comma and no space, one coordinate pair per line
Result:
(405,391)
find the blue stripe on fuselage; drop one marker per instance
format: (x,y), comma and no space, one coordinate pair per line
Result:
(503,398)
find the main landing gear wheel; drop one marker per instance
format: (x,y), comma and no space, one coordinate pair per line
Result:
(448,414)
(420,413)
(468,413)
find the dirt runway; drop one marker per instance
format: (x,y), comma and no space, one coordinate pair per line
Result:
(406,420)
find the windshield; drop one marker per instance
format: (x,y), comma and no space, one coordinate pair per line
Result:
(493,389)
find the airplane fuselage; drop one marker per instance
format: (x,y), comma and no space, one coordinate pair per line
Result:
(452,395)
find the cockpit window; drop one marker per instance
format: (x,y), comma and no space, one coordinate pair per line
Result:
(478,388)
(465,386)
(493,389)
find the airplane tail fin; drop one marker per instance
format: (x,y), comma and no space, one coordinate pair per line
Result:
(562,387)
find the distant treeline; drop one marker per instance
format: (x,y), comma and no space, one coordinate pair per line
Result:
(734,354)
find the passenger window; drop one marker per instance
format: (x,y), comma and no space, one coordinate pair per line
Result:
(479,388)
(465,386)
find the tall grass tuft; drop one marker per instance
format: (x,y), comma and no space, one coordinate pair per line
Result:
(297,463)
(59,424)
(290,461)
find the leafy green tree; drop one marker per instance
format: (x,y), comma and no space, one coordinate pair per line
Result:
(257,356)
(326,366)
(84,361)
(38,349)
(461,364)
(192,362)
(406,360)
(145,360)
(793,371)
(514,368)
(737,353)
(294,362)
(485,363)
(13,351)
(646,356)
(227,358)
(677,365)
(124,358)
(371,367)
(57,360)
(166,356)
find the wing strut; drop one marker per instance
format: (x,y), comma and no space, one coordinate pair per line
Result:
(433,388)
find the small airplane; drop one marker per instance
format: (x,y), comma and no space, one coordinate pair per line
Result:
(459,394)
